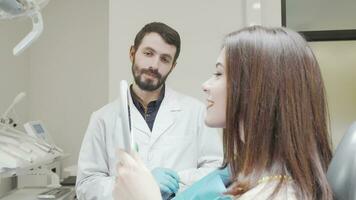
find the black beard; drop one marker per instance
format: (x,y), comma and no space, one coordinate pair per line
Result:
(148,85)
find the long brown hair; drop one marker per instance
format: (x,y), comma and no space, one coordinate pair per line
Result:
(276,100)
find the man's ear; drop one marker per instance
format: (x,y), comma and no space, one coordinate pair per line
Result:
(132,53)
(174,65)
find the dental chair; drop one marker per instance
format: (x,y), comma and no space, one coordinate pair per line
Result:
(342,170)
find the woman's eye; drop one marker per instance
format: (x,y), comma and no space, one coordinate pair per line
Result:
(217,74)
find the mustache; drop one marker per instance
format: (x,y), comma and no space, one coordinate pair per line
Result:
(151,72)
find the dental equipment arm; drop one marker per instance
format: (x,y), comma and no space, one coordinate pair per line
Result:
(10,9)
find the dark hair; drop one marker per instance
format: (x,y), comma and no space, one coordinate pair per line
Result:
(167,33)
(276,95)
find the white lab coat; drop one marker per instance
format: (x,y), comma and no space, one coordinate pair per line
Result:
(179,140)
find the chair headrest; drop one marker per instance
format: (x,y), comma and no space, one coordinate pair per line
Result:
(342,170)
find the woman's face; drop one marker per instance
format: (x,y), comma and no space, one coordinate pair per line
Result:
(215,88)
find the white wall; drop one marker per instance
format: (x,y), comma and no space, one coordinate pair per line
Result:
(338,64)
(13,70)
(13,77)
(201,25)
(271,12)
(69,70)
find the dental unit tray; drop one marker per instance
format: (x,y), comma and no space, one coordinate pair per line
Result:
(21,153)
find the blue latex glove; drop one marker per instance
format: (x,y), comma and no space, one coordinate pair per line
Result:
(168,181)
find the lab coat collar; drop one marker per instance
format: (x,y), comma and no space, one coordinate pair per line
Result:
(165,118)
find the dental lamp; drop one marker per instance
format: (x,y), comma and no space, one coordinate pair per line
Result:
(11,9)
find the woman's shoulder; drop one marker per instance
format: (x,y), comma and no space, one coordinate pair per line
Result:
(264,191)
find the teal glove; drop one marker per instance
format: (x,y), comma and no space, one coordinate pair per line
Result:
(225,175)
(211,187)
(168,181)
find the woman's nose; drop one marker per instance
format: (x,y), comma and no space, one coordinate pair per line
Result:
(204,86)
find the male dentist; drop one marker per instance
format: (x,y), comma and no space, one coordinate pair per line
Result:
(168,126)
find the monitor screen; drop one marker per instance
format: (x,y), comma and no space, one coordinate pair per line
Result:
(38,128)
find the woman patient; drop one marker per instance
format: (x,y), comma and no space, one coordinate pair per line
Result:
(268,94)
